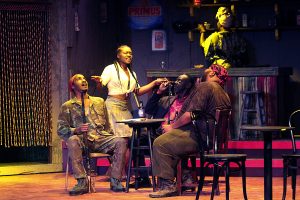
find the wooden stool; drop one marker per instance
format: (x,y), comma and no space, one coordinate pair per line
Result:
(135,148)
(252,106)
(137,124)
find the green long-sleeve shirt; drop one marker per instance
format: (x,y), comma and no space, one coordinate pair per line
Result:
(70,118)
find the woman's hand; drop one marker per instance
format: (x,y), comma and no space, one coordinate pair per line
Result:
(160,80)
(162,87)
(97,79)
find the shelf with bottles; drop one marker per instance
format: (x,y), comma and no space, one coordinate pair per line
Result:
(250,15)
(226,3)
(250,29)
(185,27)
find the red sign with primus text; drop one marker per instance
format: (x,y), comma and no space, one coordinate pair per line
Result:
(144,14)
(144,11)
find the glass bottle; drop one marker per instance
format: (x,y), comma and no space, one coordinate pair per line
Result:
(141,111)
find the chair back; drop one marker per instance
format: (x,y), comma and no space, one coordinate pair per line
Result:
(294,120)
(219,130)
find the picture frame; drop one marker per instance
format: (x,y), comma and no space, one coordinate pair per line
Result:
(159,40)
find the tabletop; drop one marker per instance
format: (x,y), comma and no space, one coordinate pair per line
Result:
(266,128)
(141,121)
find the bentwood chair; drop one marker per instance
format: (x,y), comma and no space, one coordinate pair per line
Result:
(219,158)
(290,166)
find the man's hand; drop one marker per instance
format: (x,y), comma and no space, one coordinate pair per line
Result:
(201,28)
(167,127)
(81,129)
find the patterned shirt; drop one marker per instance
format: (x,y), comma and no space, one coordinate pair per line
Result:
(70,118)
(174,110)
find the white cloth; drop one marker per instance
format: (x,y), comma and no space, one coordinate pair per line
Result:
(115,86)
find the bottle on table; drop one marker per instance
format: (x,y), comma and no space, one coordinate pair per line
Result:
(141,111)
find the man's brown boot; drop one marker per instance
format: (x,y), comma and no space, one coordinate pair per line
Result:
(167,189)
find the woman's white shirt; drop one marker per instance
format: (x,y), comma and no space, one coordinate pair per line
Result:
(115,85)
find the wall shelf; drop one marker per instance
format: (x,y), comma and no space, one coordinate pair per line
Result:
(252,29)
(279,8)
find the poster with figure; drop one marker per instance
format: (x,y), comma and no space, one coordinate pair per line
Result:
(159,40)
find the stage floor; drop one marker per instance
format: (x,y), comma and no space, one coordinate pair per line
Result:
(52,186)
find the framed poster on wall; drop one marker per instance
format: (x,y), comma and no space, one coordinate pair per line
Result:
(159,40)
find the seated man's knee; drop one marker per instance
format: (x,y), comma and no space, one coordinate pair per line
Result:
(159,141)
(121,142)
(155,142)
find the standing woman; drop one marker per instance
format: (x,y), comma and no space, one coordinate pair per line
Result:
(121,81)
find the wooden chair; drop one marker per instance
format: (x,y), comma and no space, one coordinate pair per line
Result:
(290,166)
(93,156)
(93,173)
(194,116)
(219,158)
(193,169)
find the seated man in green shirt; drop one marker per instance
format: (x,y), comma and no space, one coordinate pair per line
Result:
(100,137)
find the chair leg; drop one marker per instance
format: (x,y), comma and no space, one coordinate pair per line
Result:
(215,181)
(151,159)
(93,174)
(92,181)
(294,178)
(201,180)
(136,161)
(67,175)
(244,179)
(227,180)
(154,182)
(285,174)
(217,190)
(194,169)
(130,162)
(179,177)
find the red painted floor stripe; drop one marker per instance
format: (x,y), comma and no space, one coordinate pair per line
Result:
(250,163)
(282,144)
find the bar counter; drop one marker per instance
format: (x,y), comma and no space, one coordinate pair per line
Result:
(233,72)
